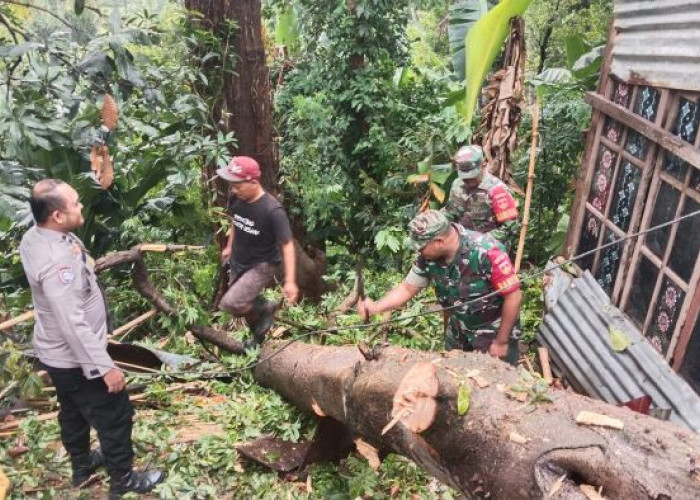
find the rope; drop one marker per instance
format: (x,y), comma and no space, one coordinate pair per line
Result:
(398,319)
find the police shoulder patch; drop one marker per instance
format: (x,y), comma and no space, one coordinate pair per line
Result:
(66,274)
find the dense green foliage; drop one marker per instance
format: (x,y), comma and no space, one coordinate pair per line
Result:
(364,110)
(351,130)
(50,121)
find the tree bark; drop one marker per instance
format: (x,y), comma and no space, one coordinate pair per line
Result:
(502,447)
(245,107)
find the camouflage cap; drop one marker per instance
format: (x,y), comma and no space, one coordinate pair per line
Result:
(427,226)
(468,161)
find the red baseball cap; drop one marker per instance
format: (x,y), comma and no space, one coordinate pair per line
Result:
(240,169)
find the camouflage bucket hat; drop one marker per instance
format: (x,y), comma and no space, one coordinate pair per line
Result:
(468,161)
(427,226)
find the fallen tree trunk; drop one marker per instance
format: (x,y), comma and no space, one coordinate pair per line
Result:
(501,447)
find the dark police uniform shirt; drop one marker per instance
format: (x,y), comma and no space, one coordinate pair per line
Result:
(70,328)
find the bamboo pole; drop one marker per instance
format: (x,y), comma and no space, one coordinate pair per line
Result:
(544,361)
(4,485)
(25,316)
(530,182)
(127,327)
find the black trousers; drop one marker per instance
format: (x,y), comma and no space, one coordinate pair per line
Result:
(86,403)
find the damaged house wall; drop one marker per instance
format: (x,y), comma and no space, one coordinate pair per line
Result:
(641,168)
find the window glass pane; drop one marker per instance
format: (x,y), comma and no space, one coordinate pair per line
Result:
(686,245)
(664,210)
(687,119)
(663,322)
(602,177)
(647,103)
(612,129)
(642,290)
(674,166)
(588,240)
(690,369)
(621,93)
(624,195)
(609,262)
(695,180)
(636,144)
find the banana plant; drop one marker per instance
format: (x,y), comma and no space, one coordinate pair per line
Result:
(463,15)
(483,43)
(583,63)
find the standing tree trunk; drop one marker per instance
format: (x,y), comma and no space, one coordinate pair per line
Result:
(242,104)
(500,447)
(245,103)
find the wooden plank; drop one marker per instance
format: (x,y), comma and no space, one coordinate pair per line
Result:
(25,316)
(664,138)
(688,323)
(133,323)
(544,362)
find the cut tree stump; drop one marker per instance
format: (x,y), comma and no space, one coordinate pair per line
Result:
(509,443)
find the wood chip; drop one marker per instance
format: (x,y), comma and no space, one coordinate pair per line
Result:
(481,382)
(591,493)
(278,332)
(309,489)
(4,484)
(518,438)
(556,486)
(197,430)
(317,409)
(17,451)
(521,396)
(590,418)
(369,452)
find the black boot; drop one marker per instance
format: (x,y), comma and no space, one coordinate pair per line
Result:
(84,467)
(138,482)
(259,319)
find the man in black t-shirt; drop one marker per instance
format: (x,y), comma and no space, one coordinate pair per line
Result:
(259,240)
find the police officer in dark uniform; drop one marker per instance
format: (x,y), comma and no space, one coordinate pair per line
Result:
(70,339)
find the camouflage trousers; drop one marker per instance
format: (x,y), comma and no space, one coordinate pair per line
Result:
(458,336)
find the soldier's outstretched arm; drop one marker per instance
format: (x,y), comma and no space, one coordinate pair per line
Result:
(393,299)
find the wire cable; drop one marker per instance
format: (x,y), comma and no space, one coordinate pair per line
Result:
(458,305)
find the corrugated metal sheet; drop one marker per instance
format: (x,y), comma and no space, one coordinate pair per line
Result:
(576,332)
(657,41)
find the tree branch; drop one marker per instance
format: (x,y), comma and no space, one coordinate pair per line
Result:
(42,9)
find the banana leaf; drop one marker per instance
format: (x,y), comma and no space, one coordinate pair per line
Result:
(483,44)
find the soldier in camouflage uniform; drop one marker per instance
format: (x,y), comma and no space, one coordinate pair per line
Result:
(464,266)
(481,201)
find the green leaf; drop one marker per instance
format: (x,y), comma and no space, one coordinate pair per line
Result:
(483,43)
(575,48)
(287,29)
(463,15)
(439,174)
(553,76)
(618,339)
(463,397)
(425,164)
(78,7)
(12,51)
(589,63)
